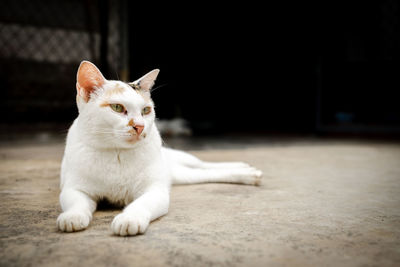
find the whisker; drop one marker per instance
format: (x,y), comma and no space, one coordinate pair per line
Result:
(157,87)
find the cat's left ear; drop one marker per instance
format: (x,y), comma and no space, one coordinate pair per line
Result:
(146,82)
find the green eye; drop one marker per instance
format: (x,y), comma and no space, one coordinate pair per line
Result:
(117,108)
(146,110)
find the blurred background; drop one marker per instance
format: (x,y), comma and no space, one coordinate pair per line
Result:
(240,68)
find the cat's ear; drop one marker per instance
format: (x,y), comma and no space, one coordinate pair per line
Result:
(88,79)
(147,81)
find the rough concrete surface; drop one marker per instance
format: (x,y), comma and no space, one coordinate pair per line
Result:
(321,204)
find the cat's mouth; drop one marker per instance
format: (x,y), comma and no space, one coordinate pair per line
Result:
(134,137)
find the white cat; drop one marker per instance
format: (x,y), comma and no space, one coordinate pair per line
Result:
(114,151)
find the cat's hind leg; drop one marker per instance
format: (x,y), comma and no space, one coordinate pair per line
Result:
(188,160)
(241,175)
(224,165)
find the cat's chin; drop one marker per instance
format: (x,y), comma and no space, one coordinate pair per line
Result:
(133,139)
(129,142)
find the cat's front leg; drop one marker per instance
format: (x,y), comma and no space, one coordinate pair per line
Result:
(77,208)
(136,216)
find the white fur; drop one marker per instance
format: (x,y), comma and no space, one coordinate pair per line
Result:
(101,163)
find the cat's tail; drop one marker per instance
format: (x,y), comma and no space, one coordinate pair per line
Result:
(187,169)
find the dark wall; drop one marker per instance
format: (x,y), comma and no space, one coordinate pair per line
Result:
(246,67)
(359,64)
(323,67)
(234,67)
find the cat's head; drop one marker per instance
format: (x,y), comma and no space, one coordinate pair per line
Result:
(114,114)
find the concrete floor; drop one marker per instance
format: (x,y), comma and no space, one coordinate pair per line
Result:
(333,203)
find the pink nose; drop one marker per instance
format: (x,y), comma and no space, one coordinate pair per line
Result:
(138,129)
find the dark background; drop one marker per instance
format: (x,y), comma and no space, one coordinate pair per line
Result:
(239,67)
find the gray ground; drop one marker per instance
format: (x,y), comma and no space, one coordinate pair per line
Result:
(322,203)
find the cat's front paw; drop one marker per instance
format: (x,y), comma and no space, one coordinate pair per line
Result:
(131,223)
(72,221)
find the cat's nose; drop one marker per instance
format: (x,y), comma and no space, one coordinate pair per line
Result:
(138,128)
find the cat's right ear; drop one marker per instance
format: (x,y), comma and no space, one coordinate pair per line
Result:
(88,79)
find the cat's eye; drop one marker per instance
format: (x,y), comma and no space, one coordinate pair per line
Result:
(146,110)
(118,108)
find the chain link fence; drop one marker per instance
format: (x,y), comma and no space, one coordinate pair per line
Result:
(41,45)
